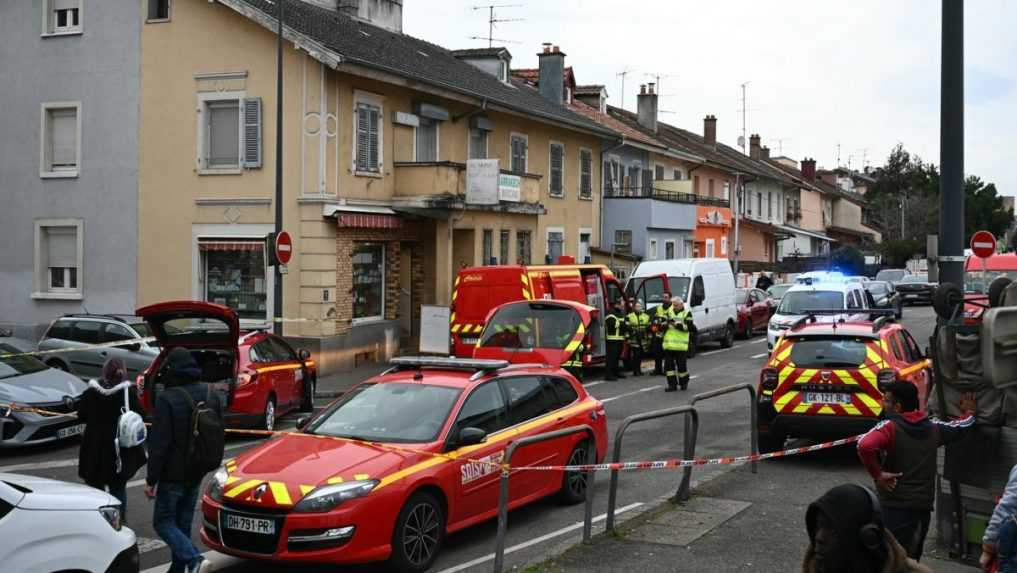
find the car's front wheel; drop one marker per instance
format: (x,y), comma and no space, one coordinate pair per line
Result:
(307,403)
(573,484)
(729,334)
(419,532)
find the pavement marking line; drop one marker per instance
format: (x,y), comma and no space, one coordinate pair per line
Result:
(535,540)
(641,390)
(757,341)
(70,463)
(219,561)
(763,355)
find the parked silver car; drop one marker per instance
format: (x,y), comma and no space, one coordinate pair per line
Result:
(26,381)
(80,330)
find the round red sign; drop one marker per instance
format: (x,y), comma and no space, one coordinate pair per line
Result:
(283,247)
(983,244)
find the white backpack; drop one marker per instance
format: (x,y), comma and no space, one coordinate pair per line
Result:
(131,430)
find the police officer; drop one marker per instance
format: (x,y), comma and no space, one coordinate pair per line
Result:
(676,346)
(639,325)
(660,315)
(615,330)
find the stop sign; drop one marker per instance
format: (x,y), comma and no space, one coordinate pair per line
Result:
(283,247)
(983,244)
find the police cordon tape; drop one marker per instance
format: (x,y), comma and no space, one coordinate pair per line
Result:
(79,348)
(5,410)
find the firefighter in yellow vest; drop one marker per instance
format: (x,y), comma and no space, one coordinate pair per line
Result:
(615,330)
(658,329)
(676,346)
(639,326)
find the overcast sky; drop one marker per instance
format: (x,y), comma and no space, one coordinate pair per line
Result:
(862,73)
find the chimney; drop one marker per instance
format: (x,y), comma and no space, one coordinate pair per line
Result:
(766,152)
(710,129)
(647,107)
(809,169)
(552,74)
(755,151)
(387,14)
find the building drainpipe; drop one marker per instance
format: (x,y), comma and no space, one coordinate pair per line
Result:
(737,238)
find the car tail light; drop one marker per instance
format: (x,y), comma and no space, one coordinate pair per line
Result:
(884,377)
(768,379)
(246,378)
(140,382)
(587,346)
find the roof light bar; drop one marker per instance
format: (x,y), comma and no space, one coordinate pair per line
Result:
(405,362)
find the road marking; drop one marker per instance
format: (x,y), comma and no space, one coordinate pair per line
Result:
(757,341)
(534,541)
(641,390)
(763,355)
(219,561)
(73,462)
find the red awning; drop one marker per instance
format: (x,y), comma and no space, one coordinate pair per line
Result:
(231,245)
(369,221)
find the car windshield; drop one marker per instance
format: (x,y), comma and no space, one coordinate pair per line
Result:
(877,288)
(890,274)
(830,352)
(531,325)
(801,301)
(653,292)
(777,291)
(979,281)
(915,279)
(12,366)
(396,412)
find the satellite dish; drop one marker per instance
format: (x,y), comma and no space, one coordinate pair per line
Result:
(741,141)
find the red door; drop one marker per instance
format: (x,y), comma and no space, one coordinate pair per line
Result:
(477,484)
(760,309)
(289,373)
(529,398)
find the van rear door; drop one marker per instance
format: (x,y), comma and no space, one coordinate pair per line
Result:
(475,293)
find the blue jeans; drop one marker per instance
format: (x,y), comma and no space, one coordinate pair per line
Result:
(174,512)
(1007,546)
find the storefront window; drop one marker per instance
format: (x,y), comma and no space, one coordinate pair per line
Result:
(368,280)
(235,276)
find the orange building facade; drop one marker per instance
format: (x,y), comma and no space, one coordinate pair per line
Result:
(713,230)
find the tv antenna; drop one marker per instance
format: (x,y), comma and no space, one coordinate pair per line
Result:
(493,20)
(743,140)
(657,77)
(780,143)
(622,75)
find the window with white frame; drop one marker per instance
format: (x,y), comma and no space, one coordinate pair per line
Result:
(555,244)
(61,16)
(58,258)
(233,274)
(652,255)
(709,248)
(60,139)
(585,174)
(585,256)
(723,245)
(158,10)
(556,180)
(426,144)
(623,241)
(727,191)
(229,132)
(478,143)
(368,126)
(519,149)
(669,250)
(368,280)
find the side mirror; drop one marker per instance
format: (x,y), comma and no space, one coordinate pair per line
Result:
(469,437)
(304,354)
(302,422)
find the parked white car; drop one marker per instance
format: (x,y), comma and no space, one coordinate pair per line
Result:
(847,295)
(48,525)
(706,285)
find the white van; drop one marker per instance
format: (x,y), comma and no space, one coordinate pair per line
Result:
(706,285)
(847,295)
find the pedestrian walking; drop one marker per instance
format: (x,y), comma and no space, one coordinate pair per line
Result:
(999,544)
(907,441)
(676,346)
(102,461)
(615,331)
(764,282)
(639,326)
(182,445)
(659,327)
(847,535)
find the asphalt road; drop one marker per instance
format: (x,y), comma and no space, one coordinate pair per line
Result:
(544,528)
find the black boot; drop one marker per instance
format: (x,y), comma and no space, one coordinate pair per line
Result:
(671,388)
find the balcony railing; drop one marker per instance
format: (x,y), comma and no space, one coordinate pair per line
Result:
(663,195)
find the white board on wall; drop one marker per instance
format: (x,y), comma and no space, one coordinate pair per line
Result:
(434,329)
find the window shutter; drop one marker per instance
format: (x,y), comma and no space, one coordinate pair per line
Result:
(252,132)
(63,137)
(61,247)
(372,141)
(363,138)
(557,151)
(647,180)
(66,4)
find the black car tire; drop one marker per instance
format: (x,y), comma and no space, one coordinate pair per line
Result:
(946,299)
(899,311)
(729,334)
(58,365)
(573,484)
(996,288)
(268,416)
(769,443)
(307,403)
(418,534)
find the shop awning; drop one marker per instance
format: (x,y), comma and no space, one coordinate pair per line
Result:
(364,216)
(813,234)
(253,245)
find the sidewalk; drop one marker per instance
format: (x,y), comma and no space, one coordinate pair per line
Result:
(335,385)
(734,522)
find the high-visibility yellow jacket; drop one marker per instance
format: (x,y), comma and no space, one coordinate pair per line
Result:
(679,325)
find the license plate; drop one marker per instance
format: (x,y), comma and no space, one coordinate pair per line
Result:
(825,398)
(249,524)
(469,341)
(70,431)
(911,296)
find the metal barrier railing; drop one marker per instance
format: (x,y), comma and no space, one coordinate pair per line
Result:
(689,453)
(591,458)
(754,431)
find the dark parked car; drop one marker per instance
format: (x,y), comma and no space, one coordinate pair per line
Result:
(884,296)
(754,310)
(892,276)
(916,288)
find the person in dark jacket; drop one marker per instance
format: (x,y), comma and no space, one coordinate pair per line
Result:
(99,409)
(846,535)
(900,455)
(168,467)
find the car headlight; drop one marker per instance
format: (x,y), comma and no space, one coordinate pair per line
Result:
(327,497)
(217,483)
(112,515)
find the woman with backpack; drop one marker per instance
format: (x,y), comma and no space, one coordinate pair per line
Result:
(108,459)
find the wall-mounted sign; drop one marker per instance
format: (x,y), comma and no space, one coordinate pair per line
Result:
(482,181)
(510,187)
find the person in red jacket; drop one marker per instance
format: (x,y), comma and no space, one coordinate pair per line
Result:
(900,455)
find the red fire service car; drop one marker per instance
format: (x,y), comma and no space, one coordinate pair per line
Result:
(429,435)
(979,276)
(822,379)
(259,373)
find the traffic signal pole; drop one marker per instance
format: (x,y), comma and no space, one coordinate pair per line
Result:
(951,146)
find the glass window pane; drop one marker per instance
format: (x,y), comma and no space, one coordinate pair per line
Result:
(523,247)
(368,280)
(114,332)
(503,255)
(427,140)
(236,278)
(86,331)
(528,398)
(555,245)
(487,247)
(224,134)
(484,409)
(478,144)
(63,138)
(566,393)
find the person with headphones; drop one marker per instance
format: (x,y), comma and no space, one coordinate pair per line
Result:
(847,535)
(900,455)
